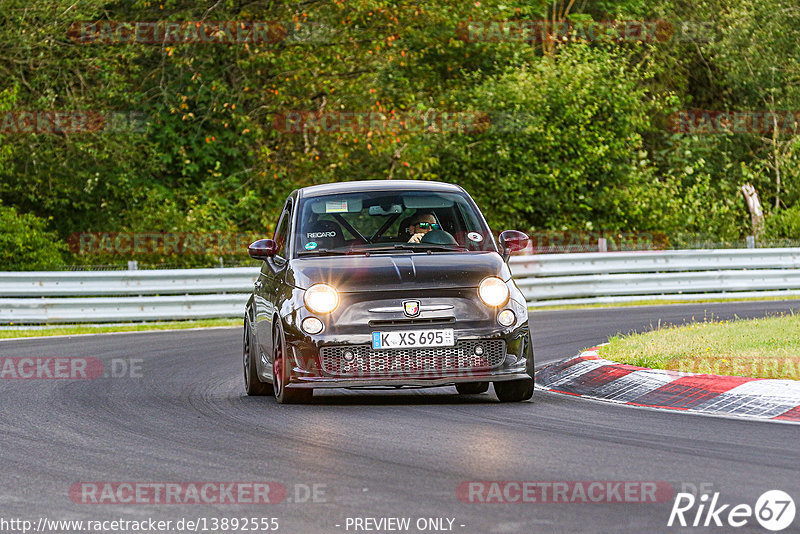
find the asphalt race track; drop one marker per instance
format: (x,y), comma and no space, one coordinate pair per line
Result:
(377,454)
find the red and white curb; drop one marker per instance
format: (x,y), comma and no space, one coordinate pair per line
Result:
(588,375)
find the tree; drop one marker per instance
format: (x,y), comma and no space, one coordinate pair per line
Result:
(26,244)
(564,150)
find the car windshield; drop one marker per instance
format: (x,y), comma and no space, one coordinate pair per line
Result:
(380,221)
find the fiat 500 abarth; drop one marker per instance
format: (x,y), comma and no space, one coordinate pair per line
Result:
(386,283)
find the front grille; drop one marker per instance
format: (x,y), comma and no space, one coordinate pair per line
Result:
(411,322)
(426,362)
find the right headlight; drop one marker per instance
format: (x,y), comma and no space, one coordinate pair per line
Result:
(321,298)
(493,292)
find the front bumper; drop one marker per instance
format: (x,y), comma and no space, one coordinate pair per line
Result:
(312,367)
(359,315)
(416,382)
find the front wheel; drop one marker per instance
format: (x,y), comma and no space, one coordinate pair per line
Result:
(281,370)
(514,390)
(517,390)
(252,384)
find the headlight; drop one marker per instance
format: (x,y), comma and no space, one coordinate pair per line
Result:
(321,298)
(493,292)
(311,325)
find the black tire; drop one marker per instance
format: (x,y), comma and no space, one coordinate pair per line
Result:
(472,388)
(252,383)
(517,390)
(514,390)
(280,376)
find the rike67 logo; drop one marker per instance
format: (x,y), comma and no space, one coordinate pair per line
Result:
(774,510)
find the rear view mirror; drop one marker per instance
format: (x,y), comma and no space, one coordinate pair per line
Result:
(386,210)
(262,249)
(512,241)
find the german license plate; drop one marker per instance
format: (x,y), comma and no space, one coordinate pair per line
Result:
(412,339)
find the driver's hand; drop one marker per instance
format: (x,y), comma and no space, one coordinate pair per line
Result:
(416,238)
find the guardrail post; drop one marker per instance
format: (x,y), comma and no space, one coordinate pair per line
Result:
(602,244)
(133,265)
(751,241)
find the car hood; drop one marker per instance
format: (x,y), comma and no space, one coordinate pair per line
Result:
(381,272)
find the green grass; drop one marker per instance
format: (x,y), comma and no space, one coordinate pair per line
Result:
(759,348)
(654,302)
(76,329)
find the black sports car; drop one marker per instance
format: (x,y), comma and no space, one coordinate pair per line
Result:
(385,283)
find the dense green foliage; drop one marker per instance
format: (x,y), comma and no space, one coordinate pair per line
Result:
(25,242)
(572,150)
(577,138)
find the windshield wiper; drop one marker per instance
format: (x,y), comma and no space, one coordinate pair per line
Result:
(419,247)
(324,252)
(428,246)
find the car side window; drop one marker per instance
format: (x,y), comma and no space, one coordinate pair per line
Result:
(282,233)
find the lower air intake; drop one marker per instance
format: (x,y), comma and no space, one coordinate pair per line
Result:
(426,362)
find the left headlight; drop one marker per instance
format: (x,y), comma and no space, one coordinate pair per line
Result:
(321,298)
(493,292)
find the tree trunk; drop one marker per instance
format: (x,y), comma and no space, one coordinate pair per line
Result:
(754,205)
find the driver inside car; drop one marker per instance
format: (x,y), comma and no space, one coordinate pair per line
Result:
(421,224)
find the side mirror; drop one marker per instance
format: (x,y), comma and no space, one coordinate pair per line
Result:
(262,249)
(512,241)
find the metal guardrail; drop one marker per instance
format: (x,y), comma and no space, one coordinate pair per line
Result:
(544,279)
(100,283)
(103,296)
(105,309)
(555,279)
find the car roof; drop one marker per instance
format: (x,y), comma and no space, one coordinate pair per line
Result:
(377,185)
